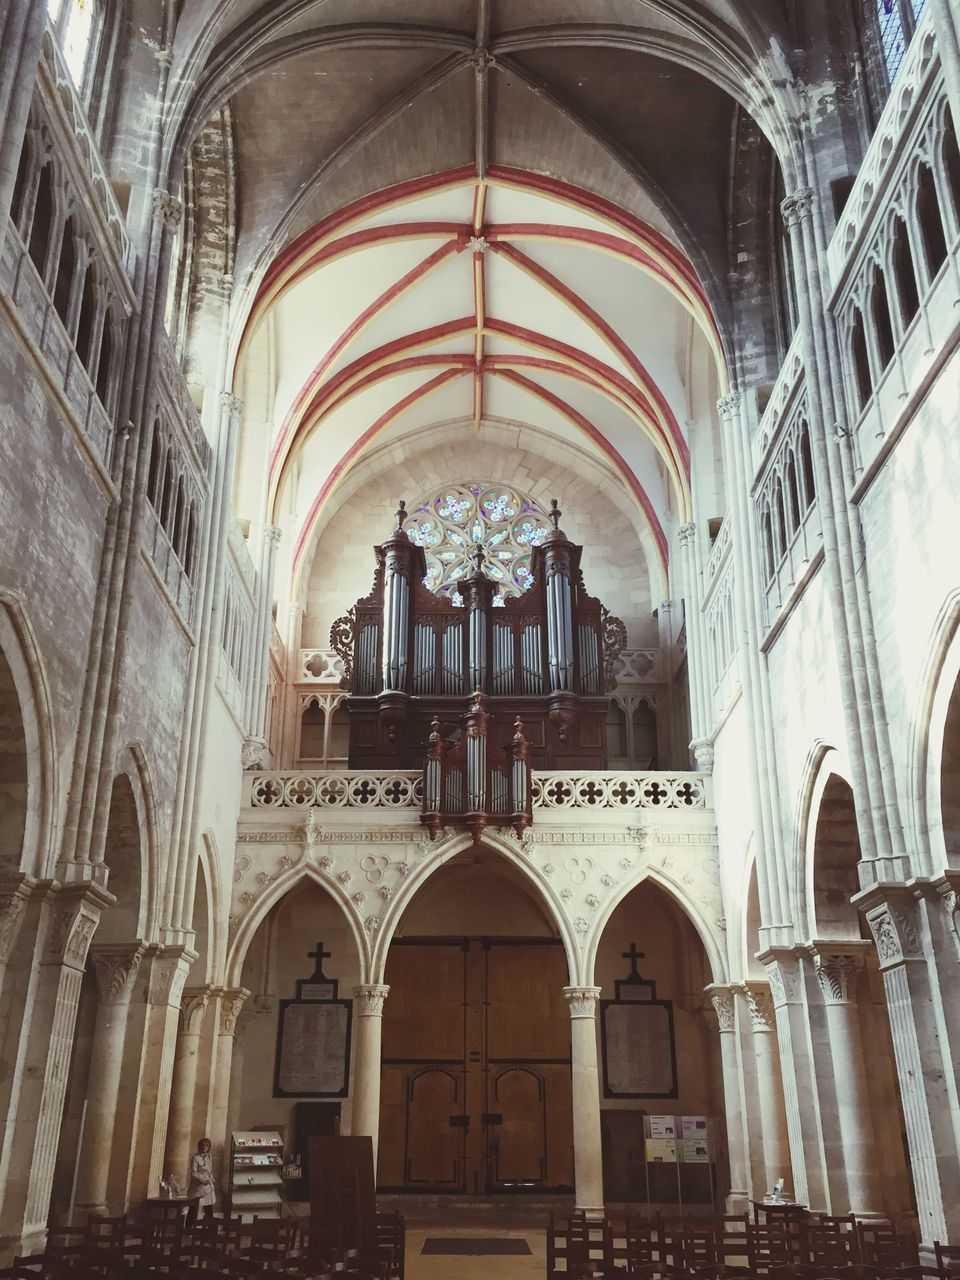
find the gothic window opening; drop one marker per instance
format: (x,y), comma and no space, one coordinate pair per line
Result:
(861,361)
(931,225)
(169,494)
(780,525)
(42,220)
(190,554)
(904,274)
(76,23)
(88,308)
(155,475)
(880,310)
(451,523)
(18,203)
(806,469)
(105,363)
(897,20)
(66,269)
(951,164)
(311,731)
(766,533)
(795,511)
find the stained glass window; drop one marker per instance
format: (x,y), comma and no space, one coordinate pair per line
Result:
(506,523)
(898,20)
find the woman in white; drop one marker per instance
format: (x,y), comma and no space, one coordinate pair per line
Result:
(201,1178)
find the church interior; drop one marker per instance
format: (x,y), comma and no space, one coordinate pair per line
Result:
(480,639)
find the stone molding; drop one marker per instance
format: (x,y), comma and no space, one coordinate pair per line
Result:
(729,405)
(168,975)
(783,973)
(582,1001)
(71,932)
(837,973)
(369,998)
(193,1006)
(763,1016)
(703,753)
(724,1004)
(232,1000)
(896,931)
(167,207)
(797,206)
(13,905)
(272,534)
(686,534)
(253,753)
(231,404)
(116,966)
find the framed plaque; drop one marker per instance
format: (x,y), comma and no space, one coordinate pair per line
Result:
(636,1038)
(313,1038)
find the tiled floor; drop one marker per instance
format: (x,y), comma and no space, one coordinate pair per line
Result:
(439,1267)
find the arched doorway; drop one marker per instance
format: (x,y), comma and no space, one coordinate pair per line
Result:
(661,1080)
(866,1162)
(476,1084)
(304,934)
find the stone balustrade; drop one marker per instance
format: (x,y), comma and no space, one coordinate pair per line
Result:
(552,789)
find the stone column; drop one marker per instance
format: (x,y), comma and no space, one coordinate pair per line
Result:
(230,1002)
(116,967)
(838,967)
(925,1070)
(368,1006)
(255,746)
(701,692)
(42,1066)
(725,1007)
(180,1126)
(587,1148)
(773,1120)
(21,35)
(798,1071)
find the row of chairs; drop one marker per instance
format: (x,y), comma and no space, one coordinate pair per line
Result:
(790,1247)
(171,1244)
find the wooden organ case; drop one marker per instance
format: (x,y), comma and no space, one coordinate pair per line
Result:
(424,672)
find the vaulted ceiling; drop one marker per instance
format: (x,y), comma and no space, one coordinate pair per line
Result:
(468,211)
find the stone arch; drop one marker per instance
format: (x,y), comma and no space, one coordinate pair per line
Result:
(208,866)
(828,851)
(750,919)
(238,948)
(137,830)
(935,742)
(706,934)
(28,775)
(445,851)
(126,919)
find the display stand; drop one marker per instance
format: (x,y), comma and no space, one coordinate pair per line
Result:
(256,1181)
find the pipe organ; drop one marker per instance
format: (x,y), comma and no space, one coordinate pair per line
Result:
(425,672)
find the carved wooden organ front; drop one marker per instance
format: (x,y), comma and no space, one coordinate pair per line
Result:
(428,677)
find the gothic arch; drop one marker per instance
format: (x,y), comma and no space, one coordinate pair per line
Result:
(938,707)
(26,715)
(134,767)
(822,760)
(247,931)
(208,866)
(745,941)
(824,871)
(711,944)
(449,848)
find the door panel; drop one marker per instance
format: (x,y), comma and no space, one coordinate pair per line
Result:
(423,1018)
(518,1144)
(527,1014)
(434,1145)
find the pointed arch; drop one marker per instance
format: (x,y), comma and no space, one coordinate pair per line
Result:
(824,763)
(711,943)
(132,767)
(20,652)
(446,850)
(274,893)
(937,684)
(208,865)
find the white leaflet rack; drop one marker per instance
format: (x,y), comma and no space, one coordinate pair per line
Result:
(256,1181)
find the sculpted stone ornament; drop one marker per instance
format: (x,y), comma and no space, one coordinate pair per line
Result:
(895,935)
(797,206)
(837,975)
(760,1004)
(582,1001)
(729,404)
(369,998)
(686,534)
(116,970)
(231,1002)
(231,404)
(194,1006)
(725,1009)
(167,207)
(12,907)
(253,753)
(703,753)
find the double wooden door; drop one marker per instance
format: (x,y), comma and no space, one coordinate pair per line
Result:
(475,1094)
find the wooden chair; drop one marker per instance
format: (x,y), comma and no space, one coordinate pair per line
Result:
(948,1260)
(733,1231)
(830,1242)
(574,1249)
(391,1235)
(880,1244)
(769,1245)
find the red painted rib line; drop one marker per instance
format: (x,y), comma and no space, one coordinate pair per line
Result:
(434,333)
(596,321)
(576,358)
(365,316)
(561,405)
(401,191)
(370,238)
(357,447)
(464,362)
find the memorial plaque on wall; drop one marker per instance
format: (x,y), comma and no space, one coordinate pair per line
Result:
(313,1038)
(637,1041)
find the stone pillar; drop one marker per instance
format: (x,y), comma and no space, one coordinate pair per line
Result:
(116,968)
(587,1148)
(230,1002)
(368,1006)
(725,1007)
(798,1071)
(42,1065)
(180,1135)
(773,1120)
(255,746)
(946,23)
(926,1072)
(21,35)
(838,967)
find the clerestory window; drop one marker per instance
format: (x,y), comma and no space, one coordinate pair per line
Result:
(75,23)
(897,21)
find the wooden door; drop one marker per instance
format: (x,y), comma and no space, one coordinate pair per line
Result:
(476,1091)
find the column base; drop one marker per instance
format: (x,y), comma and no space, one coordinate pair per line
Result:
(22,1246)
(592,1211)
(737,1202)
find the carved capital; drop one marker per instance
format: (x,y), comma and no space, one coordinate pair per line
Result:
(729,405)
(837,974)
(797,206)
(687,534)
(272,533)
(71,932)
(12,908)
(703,753)
(231,405)
(116,969)
(783,974)
(582,1001)
(231,1002)
(950,907)
(253,753)
(167,207)
(760,1003)
(724,1004)
(168,974)
(369,998)
(193,1006)
(895,933)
